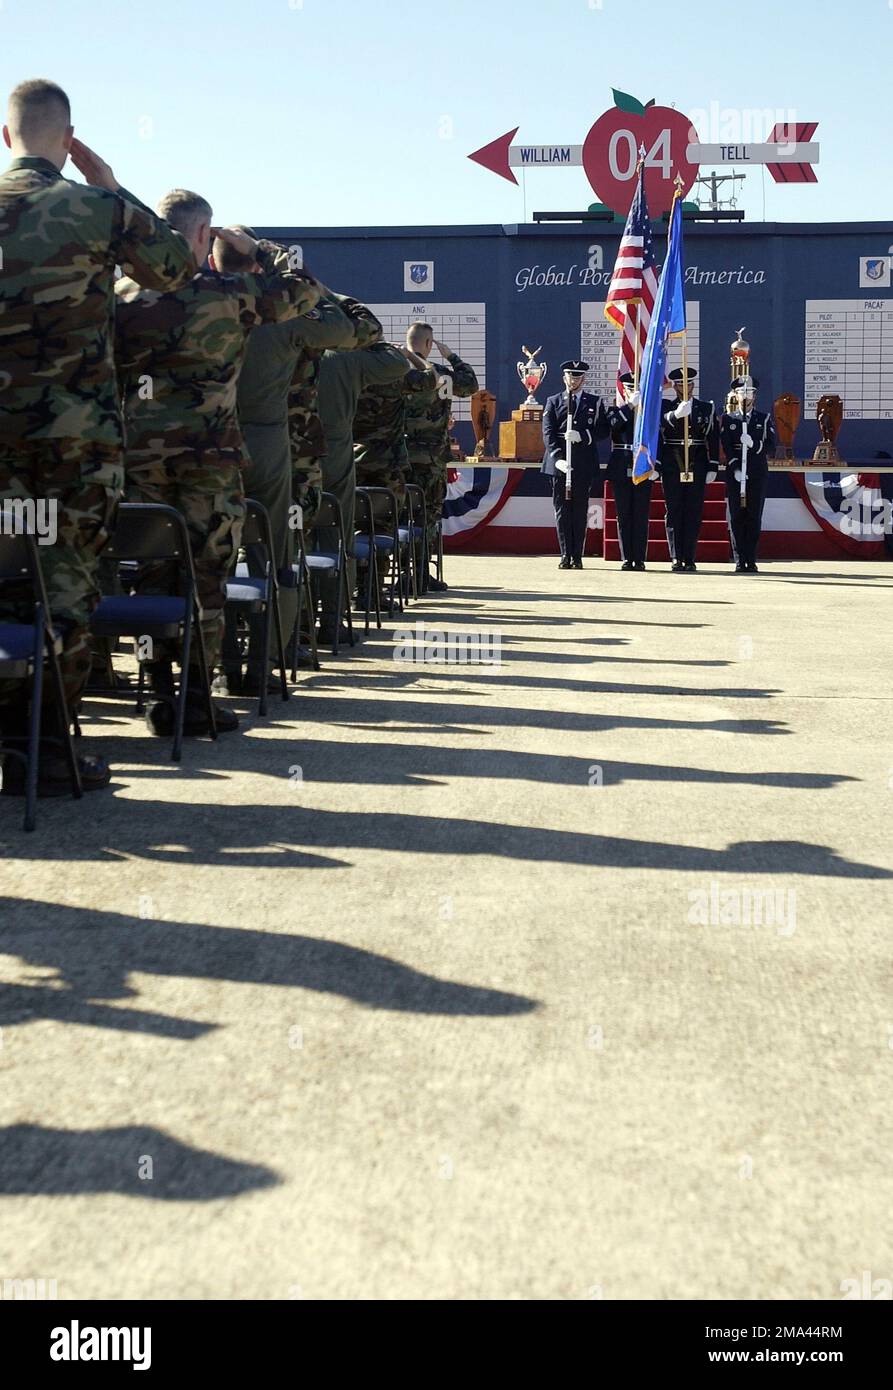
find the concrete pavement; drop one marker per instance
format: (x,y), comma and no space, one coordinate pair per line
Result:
(565,977)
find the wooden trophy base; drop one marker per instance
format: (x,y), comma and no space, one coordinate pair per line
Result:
(521,438)
(826,453)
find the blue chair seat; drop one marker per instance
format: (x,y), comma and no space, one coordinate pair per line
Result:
(151,615)
(322,560)
(403,534)
(361,548)
(384,542)
(247,589)
(16,648)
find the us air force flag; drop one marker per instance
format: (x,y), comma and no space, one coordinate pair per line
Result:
(667,320)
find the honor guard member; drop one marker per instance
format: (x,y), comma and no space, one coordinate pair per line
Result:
(61,433)
(745,522)
(428,426)
(589,423)
(632,500)
(685,501)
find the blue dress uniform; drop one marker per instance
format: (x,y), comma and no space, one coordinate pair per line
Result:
(633,500)
(685,501)
(590,421)
(745,523)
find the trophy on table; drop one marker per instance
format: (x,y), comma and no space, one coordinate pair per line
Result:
(483,417)
(532,374)
(786,413)
(829,413)
(521,438)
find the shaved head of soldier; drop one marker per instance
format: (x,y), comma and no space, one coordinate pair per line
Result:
(227,259)
(190,214)
(420,339)
(38,121)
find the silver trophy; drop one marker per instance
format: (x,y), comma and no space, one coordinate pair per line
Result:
(532,375)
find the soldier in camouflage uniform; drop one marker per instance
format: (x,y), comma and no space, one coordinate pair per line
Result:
(184,445)
(428,426)
(379,428)
(343,376)
(264,397)
(308,442)
(61,435)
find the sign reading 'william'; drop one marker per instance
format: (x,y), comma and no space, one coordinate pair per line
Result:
(610,153)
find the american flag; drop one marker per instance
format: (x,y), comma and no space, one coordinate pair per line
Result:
(634,281)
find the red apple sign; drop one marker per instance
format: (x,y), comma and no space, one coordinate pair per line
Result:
(611,151)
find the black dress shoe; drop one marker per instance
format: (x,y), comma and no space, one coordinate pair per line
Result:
(627,565)
(577,563)
(564,564)
(678,567)
(752,569)
(639,565)
(437,586)
(741,568)
(690,567)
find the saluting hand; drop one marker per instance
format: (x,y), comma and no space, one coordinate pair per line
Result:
(239,241)
(443,349)
(94,169)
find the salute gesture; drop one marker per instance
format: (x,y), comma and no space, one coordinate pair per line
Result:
(94,169)
(239,241)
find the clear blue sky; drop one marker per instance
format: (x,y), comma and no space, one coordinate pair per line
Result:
(352,112)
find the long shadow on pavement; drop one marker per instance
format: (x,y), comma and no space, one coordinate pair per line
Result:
(94,952)
(278,837)
(64,1162)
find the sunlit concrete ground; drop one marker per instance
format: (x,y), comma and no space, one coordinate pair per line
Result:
(562,978)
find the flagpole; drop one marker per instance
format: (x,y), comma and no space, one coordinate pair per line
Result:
(686,476)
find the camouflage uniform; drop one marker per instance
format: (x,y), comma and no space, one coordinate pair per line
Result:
(379,431)
(179,357)
(264,397)
(308,442)
(343,376)
(61,435)
(428,435)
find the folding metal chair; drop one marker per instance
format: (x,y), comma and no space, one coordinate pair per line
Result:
(24,649)
(418,519)
(148,531)
(329,562)
(392,541)
(260,594)
(299,577)
(366,553)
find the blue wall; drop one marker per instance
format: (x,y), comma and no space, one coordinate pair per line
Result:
(492,264)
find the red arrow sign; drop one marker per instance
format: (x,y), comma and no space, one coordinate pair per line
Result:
(495,156)
(793,173)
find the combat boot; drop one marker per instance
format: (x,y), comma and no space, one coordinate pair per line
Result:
(160,710)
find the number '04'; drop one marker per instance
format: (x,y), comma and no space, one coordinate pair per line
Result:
(658,157)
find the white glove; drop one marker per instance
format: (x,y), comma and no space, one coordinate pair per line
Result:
(746,439)
(634,399)
(682,409)
(561,465)
(574,436)
(711,477)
